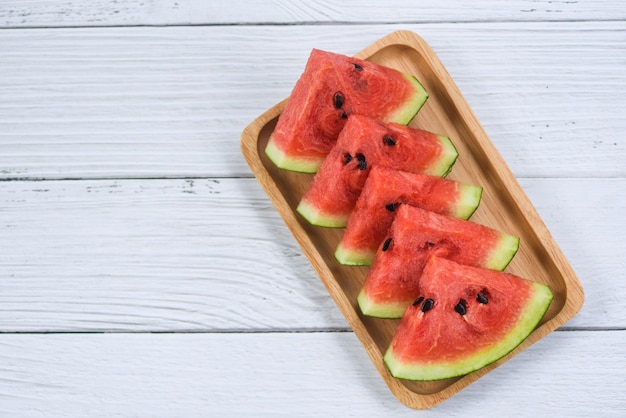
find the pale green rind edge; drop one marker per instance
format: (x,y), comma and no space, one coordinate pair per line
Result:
(405,114)
(353,258)
(503,253)
(311,214)
(468,202)
(379,310)
(281,160)
(444,165)
(534,311)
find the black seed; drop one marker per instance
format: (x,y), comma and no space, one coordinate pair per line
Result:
(389,140)
(357,66)
(482,298)
(428,305)
(418,301)
(347,158)
(386,244)
(361,159)
(344,115)
(429,244)
(338,100)
(460,307)
(391,207)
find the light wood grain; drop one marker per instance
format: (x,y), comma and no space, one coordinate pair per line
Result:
(170,254)
(318,374)
(50,13)
(172,102)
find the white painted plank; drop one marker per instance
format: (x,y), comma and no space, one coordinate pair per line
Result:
(48,13)
(172,255)
(303,374)
(152,255)
(586,218)
(172,102)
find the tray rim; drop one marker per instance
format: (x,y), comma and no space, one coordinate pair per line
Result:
(574,295)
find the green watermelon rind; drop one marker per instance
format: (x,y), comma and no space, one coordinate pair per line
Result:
(380,310)
(469,201)
(535,309)
(282,160)
(446,160)
(503,252)
(354,257)
(313,215)
(407,112)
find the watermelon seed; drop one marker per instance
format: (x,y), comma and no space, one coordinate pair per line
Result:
(347,158)
(361,159)
(428,305)
(460,307)
(391,207)
(357,66)
(338,100)
(386,244)
(418,301)
(344,115)
(482,298)
(388,140)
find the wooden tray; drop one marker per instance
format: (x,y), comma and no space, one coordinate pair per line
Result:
(504,206)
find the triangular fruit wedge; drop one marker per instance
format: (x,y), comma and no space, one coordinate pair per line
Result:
(464,319)
(384,190)
(332,88)
(365,143)
(393,281)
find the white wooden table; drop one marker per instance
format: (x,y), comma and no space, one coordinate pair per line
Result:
(144,272)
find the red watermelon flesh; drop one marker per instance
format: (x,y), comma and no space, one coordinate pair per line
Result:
(463,319)
(393,281)
(384,190)
(363,144)
(332,88)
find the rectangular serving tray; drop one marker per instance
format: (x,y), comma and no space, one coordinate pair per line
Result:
(504,206)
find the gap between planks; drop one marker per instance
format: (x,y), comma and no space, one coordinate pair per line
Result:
(249,177)
(262,331)
(313,23)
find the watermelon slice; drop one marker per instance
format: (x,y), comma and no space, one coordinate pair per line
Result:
(463,319)
(384,190)
(363,144)
(332,88)
(393,281)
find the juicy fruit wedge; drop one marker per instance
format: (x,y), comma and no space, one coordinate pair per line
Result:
(464,319)
(365,143)
(393,282)
(384,190)
(332,88)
